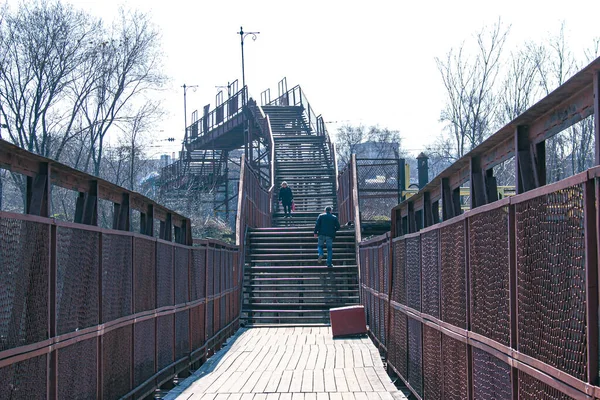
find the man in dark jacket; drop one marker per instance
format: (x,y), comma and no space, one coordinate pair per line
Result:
(325,228)
(286,197)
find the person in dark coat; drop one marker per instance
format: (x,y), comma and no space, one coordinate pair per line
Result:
(325,229)
(286,197)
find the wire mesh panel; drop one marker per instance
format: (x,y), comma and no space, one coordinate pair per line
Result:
(430,270)
(76,279)
(181,275)
(77,370)
(489,274)
(197,326)
(198,274)
(144,270)
(453,271)
(551,280)
(531,388)
(398,272)
(164,275)
(415,355)
(144,346)
(164,341)
(116,276)
(182,334)
(116,362)
(413,273)
(378,187)
(454,359)
(432,363)
(24,380)
(23,282)
(491,377)
(398,346)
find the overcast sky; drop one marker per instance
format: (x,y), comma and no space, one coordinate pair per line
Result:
(369,62)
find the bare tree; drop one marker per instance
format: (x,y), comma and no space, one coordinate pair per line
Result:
(469,83)
(346,140)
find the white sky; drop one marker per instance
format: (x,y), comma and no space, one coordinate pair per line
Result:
(369,62)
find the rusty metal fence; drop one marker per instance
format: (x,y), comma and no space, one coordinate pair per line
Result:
(87,312)
(498,303)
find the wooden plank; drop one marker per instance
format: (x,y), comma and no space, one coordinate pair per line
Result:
(262,382)
(340,380)
(322,396)
(348,356)
(374,380)
(360,396)
(285,381)
(307,381)
(322,354)
(310,396)
(318,380)
(303,358)
(329,380)
(351,380)
(272,396)
(274,381)
(357,357)
(312,357)
(297,396)
(339,356)
(363,380)
(251,382)
(296,384)
(348,396)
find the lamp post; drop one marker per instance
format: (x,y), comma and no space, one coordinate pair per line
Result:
(242,36)
(185,88)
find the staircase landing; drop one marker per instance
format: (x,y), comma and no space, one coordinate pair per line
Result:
(291,363)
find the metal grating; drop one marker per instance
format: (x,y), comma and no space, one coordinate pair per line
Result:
(145,272)
(489,275)
(164,275)
(415,355)
(181,275)
(430,269)
(182,334)
(491,377)
(198,274)
(551,280)
(116,362)
(413,273)
(76,279)
(210,268)
(398,347)
(378,186)
(164,341)
(144,346)
(432,363)
(116,276)
(77,370)
(197,326)
(398,272)
(24,380)
(454,359)
(453,290)
(534,389)
(24,249)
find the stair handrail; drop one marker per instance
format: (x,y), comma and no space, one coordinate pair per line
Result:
(217,117)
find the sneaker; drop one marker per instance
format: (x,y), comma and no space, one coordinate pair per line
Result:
(320,259)
(329,265)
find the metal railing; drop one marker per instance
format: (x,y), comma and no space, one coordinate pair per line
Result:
(500,301)
(89,312)
(217,117)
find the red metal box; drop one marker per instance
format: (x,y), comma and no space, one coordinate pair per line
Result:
(348,320)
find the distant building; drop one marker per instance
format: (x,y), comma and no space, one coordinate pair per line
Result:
(377,150)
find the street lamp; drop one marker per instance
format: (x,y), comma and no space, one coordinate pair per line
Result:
(185,88)
(242,36)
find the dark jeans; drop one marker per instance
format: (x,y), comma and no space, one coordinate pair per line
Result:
(328,241)
(287,209)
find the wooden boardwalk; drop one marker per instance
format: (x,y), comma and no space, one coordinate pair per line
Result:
(295,363)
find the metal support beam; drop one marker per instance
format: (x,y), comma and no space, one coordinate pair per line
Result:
(427,210)
(530,161)
(412,220)
(38,192)
(478,190)
(86,207)
(147,221)
(121,214)
(447,203)
(166,228)
(597,116)
(491,186)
